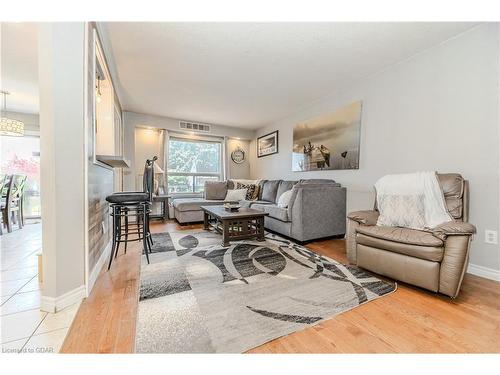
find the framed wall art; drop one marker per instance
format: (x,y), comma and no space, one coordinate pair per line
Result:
(329,141)
(267,144)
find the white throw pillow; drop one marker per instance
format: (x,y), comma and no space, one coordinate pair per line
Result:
(401,211)
(284,199)
(236,195)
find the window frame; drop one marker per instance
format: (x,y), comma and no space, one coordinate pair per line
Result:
(194,139)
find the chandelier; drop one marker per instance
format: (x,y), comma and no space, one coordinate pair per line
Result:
(10,126)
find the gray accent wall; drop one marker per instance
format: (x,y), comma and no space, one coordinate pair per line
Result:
(435,111)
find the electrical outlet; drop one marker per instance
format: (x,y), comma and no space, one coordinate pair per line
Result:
(491,236)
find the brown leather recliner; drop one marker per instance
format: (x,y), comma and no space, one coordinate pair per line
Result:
(434,259)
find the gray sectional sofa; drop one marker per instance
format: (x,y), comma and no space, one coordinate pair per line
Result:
(317,208)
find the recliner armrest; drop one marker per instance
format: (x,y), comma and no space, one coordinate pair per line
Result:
(368,217)
(453,228)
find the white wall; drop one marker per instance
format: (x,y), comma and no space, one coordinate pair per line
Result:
(148,143)
(131,120)
(62,147)
(238,171)
(435,111)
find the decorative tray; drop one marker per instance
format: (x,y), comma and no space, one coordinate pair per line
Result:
(232,207)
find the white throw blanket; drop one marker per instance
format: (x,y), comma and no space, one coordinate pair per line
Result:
(412,200)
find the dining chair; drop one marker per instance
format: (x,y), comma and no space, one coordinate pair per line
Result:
(11,205)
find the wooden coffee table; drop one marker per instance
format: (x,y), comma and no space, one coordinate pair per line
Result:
(244,224)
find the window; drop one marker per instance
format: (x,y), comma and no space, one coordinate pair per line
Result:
(191,163)
(21,155)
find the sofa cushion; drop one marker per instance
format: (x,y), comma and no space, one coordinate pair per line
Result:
(405,241)
(193,204)
(318,182)
(247,203)
(215,190)
(282,187)
(273,211)
(454,206)
(308,181)
(269,190)
(402,235)
(452,185)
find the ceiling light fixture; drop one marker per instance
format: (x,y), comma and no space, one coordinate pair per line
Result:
(9,126)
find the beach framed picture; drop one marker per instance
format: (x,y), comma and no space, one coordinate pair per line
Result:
(328,142)
(267,144)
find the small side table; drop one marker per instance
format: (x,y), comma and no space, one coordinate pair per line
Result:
(163,198)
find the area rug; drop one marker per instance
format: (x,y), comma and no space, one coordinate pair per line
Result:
(197,296)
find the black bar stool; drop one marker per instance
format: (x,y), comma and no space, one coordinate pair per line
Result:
(125,205)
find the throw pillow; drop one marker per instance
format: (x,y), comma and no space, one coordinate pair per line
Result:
(401,211)
(236,195)
(284,199)
(215,190)
(252,191)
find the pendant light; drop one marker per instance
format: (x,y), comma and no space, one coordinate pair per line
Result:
(10,126)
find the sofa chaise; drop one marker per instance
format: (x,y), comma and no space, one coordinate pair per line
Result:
(187,209)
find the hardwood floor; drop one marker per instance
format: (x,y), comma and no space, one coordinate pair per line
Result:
(407,321)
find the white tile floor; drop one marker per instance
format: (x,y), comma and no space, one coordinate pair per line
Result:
(24,328)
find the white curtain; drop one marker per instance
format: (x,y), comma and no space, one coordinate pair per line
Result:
(225,159)
(164,159)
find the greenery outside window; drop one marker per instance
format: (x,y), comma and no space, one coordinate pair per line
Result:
(191,162)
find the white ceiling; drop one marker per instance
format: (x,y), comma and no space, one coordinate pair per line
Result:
(19,65)
(239,74)
(250,74)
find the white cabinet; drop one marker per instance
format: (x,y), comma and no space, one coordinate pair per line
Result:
(104,127)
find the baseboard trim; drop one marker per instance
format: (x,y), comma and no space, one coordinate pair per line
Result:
(55,304)
(488,273)
(94,274)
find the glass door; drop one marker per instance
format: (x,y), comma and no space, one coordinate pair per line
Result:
(21,155)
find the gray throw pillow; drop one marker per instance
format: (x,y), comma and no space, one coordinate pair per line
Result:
(215,190)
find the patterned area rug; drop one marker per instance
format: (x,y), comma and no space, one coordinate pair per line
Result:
(199,297)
